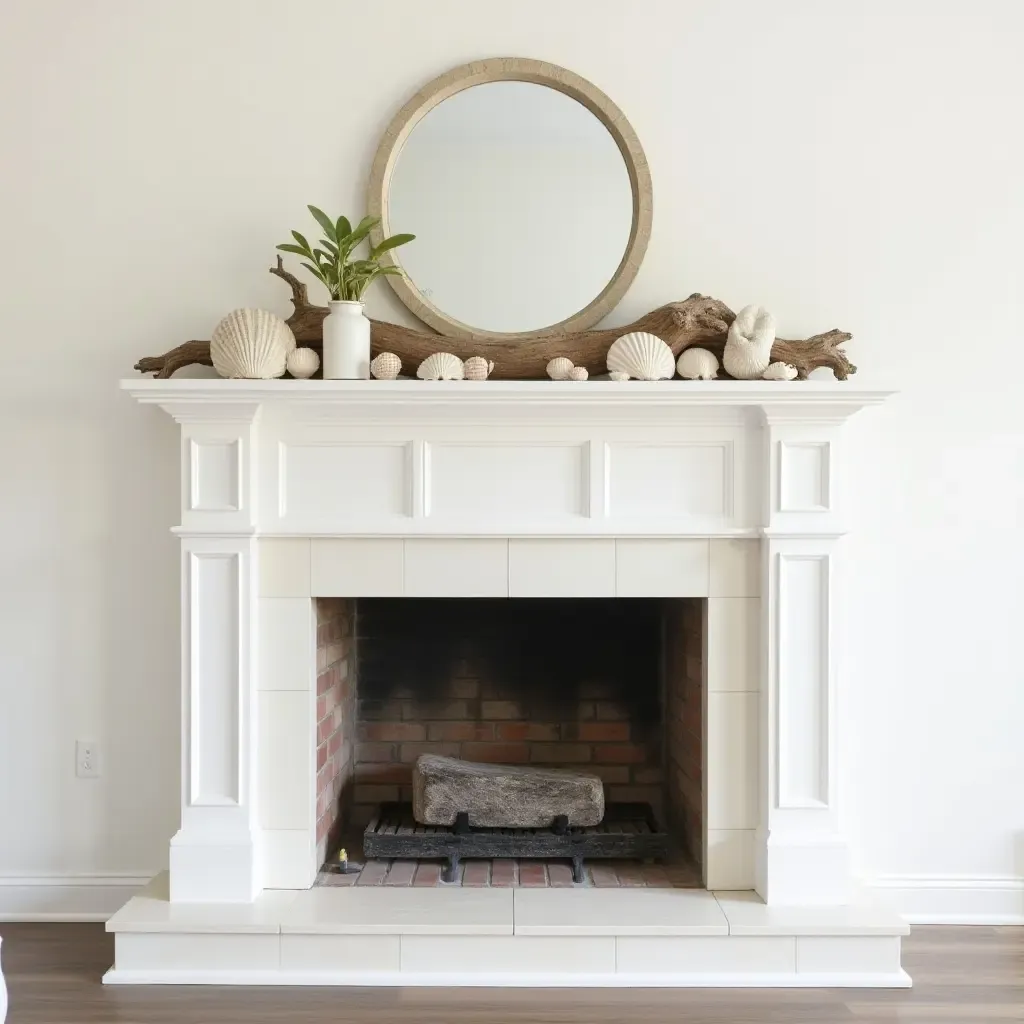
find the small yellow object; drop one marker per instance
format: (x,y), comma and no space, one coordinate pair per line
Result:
(343,856)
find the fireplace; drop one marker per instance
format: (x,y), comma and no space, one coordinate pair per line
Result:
(610,686)
(316,515)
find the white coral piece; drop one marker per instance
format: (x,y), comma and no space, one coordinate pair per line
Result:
(618,375)
(697,364)
(578,373)
(748,347)
(780,371)
(441,366)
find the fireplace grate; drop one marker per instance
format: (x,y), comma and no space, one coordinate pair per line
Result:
(628,832)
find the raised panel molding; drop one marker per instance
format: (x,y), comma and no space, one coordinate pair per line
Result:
(805,476)
(214,669)
(803,657)
(216,475)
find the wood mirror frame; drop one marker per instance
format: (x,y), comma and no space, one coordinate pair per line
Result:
(514,69)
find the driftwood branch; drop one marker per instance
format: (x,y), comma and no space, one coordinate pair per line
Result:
(697,320)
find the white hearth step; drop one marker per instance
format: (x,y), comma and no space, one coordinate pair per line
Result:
(374,935)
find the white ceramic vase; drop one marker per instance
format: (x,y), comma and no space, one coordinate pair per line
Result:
(346,342)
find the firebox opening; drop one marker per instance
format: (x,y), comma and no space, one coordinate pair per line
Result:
(611,686)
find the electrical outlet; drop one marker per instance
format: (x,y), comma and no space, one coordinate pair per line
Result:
(87,759)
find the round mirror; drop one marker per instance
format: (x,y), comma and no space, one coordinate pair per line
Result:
(528,194)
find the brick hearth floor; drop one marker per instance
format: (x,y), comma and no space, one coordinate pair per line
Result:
(677,873)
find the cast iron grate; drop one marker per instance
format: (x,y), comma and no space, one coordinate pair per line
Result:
(628,832)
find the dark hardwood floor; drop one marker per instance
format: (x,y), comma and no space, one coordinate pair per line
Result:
(961,976)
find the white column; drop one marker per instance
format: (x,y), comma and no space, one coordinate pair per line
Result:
(802,857)
(214,855)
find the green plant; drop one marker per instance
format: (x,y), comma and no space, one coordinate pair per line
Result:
(345,278)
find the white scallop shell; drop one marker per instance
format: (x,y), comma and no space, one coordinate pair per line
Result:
(618,375)
(697,364)
(642,356)
(780,371)
(477,368)
(386,366)
(302,363)
(441,366)
(251,343)
(559,368)
(578,373)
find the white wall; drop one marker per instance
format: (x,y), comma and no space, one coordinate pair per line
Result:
(854,165)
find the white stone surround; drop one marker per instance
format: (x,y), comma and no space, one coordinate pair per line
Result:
(294,490)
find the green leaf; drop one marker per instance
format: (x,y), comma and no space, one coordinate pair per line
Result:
(288,247)
(389,243)
(329,246)
(301,239)
(325,222)
(315,271)
(342,228)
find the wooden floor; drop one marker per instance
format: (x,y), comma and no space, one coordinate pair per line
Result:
(961,976)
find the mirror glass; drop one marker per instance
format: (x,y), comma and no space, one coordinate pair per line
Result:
(520,202)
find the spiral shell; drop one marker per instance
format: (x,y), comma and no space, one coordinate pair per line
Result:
(559,368)
(386,366)
(697,364)
(780,371)
(251,343)
(302,363)
(748,345)
(477,368)
(441,366)
(642,356)
(578,373)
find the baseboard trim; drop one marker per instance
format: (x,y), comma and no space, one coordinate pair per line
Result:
(56,897)
(952,899)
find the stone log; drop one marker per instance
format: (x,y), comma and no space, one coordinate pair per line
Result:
(502,795)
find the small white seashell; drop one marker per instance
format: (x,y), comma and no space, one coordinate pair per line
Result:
(780,371)
(386,366)
(478,368)
(642,356)
(441,366)
(303,363)
(697,364)
(618,375)
(748,346)
(559,368)
(251,343)
(578,373)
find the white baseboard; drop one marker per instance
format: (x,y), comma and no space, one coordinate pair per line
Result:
(952,899)
(54,897)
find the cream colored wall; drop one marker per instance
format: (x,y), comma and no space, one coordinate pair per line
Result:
(853,165)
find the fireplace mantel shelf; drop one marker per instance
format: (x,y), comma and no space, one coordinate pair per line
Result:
(811,399)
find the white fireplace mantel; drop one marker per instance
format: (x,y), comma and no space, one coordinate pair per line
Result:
(604,473)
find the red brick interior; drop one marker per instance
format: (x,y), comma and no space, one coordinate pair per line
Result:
(335,717)
(685,644)
(469,712)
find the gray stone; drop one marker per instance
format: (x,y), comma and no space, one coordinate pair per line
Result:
(502,795)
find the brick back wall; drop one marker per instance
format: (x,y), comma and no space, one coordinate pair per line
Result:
(335,718)
(611,727)
(685,632)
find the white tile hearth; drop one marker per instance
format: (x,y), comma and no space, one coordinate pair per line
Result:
(618,912)
(533,954)
(724,954)
(319,952)
(748,915)
(414,911)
